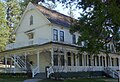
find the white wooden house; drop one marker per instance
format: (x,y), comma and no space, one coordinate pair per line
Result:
(43,39)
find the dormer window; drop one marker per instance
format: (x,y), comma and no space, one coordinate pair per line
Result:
(31,20)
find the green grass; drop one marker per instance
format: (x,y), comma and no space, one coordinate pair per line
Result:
(12,79)
(75,80)
(85,80)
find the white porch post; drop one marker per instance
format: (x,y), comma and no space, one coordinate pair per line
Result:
(119,70)
(105,61)
(25,60)
(99,61)
(110,62)
(87,60)
(14,64)
(65,55)
(5,64)
(38,56)
(52,63)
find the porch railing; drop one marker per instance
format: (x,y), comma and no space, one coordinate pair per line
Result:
(111,72)
(53,69)
(77,68)
(49,71)
(35,71)
(27,43)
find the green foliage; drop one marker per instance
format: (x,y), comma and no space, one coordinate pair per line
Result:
(99,22)
(13,14)
(4,30)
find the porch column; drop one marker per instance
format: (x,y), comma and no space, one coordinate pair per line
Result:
(11,64)
(99,61)
(52,63)
(105,61)
(87,60)
(14,64)
(84,59)
(76,59)
(95,60)
(5,63)
(119,68)
(110,62)
(25,61)
(38,64)
(65,55)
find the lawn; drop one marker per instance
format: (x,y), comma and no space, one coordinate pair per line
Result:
(12,79)
(75,80)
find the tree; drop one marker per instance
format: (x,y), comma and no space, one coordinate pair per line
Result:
(99,22)
(24,3)
(4,30)
(13,11)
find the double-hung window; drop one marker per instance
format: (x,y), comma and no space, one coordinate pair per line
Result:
(55,35)
(31,20)
(62,36)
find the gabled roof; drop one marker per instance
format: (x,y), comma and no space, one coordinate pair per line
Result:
(54,16)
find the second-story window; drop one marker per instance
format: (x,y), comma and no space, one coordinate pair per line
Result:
(73,39)
(55,35)
(30,35)
(31,20)
(62,36)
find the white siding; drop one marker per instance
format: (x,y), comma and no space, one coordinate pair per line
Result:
(40,26)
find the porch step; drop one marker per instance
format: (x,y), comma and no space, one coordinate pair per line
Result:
(111,73)
(40,76)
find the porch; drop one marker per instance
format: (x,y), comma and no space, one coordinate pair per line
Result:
(60,58)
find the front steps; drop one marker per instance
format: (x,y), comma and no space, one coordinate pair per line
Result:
(40,76)
(111,73)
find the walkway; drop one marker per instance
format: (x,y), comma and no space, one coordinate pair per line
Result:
(32,80)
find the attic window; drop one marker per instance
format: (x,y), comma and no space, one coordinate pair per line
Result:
(30,35)
(31,20)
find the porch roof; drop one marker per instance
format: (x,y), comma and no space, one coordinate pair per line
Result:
(32,47)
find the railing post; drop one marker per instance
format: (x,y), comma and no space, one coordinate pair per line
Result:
(5,64)
(113,74)
(14,63)
(38,64)
(25,61)
(52,63)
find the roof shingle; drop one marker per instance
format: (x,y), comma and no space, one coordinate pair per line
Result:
(54,16)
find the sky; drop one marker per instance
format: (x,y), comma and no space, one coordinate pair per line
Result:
(62,9)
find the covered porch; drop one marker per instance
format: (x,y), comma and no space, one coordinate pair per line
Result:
(59,58)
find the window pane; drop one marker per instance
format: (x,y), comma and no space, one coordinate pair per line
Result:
(69,58)
(69,61)
(61,36)
(55,35)
(62,60)
(56,60)
(74,62)
(31,20)
(80,59)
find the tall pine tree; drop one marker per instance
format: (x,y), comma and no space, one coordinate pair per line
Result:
(13,14)
(4,30)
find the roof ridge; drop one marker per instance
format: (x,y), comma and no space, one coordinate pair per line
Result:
(53,13)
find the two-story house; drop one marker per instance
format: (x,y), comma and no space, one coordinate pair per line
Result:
(43,39)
